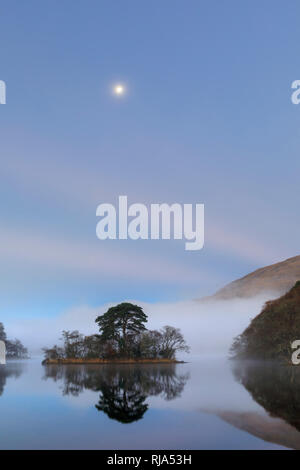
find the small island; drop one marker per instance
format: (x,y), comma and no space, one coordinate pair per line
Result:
(123,339)
(14,348)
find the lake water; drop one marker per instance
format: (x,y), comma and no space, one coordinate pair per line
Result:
(208,403)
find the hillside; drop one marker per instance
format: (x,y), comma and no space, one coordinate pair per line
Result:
(275,279)
(270,334)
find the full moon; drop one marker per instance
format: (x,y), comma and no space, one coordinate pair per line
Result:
(119,89)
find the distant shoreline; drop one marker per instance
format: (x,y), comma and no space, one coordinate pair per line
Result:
(111,361)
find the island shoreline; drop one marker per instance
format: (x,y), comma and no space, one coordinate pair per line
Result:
(110,361)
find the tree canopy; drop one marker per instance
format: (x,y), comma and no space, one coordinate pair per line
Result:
(123,335)
(271,333)
(2,332)
(121,323)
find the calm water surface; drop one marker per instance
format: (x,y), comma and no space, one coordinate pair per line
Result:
(204,404)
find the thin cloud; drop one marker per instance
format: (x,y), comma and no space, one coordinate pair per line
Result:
(77,188)
(91,260)
(234,243)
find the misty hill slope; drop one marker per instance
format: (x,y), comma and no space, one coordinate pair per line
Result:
(270,335)
(277,278)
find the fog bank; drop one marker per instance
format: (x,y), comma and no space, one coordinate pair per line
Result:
(208,327)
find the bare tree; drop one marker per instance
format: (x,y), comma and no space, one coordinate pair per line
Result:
(172,341)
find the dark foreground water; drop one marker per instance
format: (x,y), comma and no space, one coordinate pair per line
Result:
(205,404)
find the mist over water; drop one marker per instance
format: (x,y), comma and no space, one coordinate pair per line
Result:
(208,326)
(205,394)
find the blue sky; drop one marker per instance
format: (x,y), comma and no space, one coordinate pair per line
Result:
(208,118)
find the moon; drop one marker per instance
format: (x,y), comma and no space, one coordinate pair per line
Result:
(119,89)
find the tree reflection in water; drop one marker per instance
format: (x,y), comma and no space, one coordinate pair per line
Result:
(273,386)
(123,388)
(9,370)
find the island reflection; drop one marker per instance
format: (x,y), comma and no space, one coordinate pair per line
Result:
(10,370)
(123,389)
